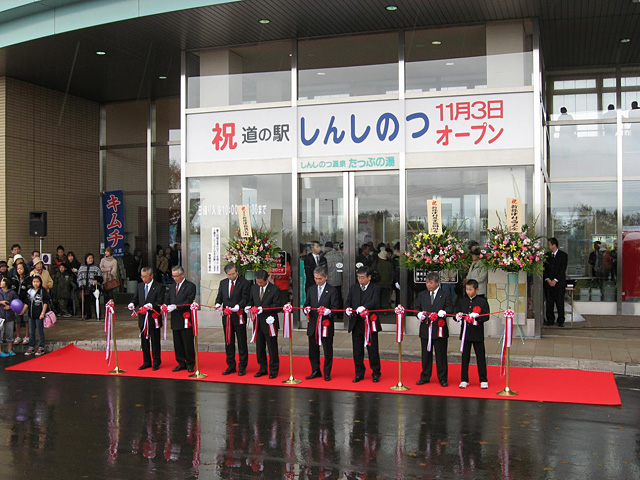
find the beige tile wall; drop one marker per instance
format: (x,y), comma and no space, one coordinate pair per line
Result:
(48,161)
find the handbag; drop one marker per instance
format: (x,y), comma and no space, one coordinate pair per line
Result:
(111,284)
(50,319)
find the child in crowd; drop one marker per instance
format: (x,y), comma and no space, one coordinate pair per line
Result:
(63,286)
(472,310)
(23,284)
(38,302)
(7,295)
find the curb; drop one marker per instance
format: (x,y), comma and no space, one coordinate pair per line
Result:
(617,368)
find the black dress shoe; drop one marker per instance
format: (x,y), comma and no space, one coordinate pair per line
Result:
(144,366)
(357,379)
(241,372)
(422,381)
(191,369)
(228,371)
(327,377)
(179,368)
(444,384)
(155,367)
(273,374)
(313,375)
(260,374)
(376,379)
(561,324)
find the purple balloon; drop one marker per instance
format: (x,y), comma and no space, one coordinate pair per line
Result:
(17,305)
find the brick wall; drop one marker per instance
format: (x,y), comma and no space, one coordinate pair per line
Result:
(49,162)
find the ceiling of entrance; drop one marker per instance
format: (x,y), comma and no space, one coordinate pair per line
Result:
(574,34)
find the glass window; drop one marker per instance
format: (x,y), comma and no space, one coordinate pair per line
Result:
(213,203)
(581,214)
(582,150)
(577,106)
(167,223)
(167,120)
(126,123)
(348,66)
(240,75)
(630,242)
(166,173)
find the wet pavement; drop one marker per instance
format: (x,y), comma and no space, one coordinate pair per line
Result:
(68,426)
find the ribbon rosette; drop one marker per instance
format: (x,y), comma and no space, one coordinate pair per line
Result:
(509,315)
(186,316)
(155,315)
(288,324)
(194,312)
(441,324)
(272,328)
(254,317)
(399,311)
(433,316)
(325,327)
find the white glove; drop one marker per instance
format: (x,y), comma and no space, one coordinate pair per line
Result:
(327,312)
(459,316)
(259,310)
(442,314)
(131,307)
(148,306)
(397,286)
(306,310)
(349,311)
(247,309)
(216,306)
(473,315)
(421,316)
(359,310)
(171,308)
(236,308)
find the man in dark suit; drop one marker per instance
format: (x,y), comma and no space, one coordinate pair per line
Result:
(312,261)
(320,294)
(233,293)
(555,281)
(176,256)
(149,294)
(182,293)
(434,300)
(364,295)
(266,295)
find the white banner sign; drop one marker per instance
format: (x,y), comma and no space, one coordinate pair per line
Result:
(371,129)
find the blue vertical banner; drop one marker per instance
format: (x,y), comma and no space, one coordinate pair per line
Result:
(113,214)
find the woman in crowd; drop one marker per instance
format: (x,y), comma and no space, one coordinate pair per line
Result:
(23,283)
(109,269)
(477,271)
(73,262)
(162,264)
(88,275)
(38,303)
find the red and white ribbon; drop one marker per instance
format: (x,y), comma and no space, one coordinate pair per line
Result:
(145,326)
(194,313)
(240,318)
(272,328)
(288,320)
(367,327)
(441,325)
(227,334)
(109,320)
(254,328)
(165,314)
(509,315)
(325,327)
(399,310)
(432,317)
(318,329)
(464,332)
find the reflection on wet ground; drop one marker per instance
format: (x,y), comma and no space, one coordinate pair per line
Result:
(65,426)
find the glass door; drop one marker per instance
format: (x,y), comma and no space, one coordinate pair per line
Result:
(355,218)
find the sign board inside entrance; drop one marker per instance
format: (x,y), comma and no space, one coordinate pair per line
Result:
(245,221)
(434,217)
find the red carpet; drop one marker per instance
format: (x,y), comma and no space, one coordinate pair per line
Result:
(532,384)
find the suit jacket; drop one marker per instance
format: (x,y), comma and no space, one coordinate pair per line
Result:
(441,302)
(369,299)
(240,297)
(475,333)
(186,295)
(270,299)
(330,299)
(556,267)
(155,297)
(310,265)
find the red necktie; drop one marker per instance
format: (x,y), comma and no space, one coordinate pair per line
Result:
(177,287)
(233,284)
